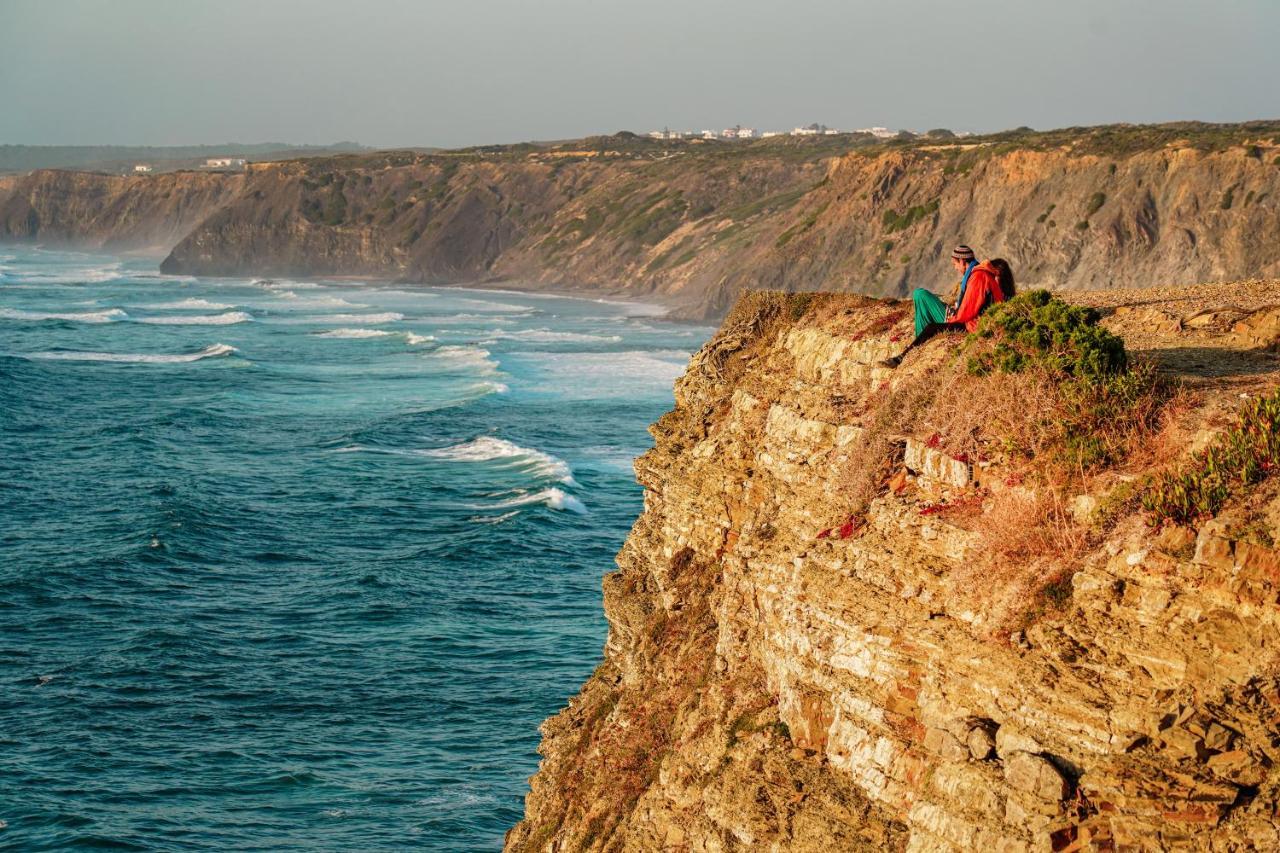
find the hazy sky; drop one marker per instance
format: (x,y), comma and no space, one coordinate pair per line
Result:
(395,72)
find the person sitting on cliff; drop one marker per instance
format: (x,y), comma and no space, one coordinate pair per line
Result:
(928,307)
(983,285)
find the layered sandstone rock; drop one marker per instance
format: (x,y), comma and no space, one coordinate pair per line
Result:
(780,676)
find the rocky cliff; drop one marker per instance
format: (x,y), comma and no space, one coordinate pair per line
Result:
(696,224)
(132,213)
(943,608)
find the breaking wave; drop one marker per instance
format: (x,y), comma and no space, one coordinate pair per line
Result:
(337,319)
(553,498)
(549,336)
(227,319)
(466,357)
(318,301)
(213,351)
(358,334)
(74,317)
(486,448)
(187,304)
(355,333)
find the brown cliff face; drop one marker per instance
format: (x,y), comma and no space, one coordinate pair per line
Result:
(146,212)
(696,225)
(790,667)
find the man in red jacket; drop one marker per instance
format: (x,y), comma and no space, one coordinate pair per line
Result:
(987,284)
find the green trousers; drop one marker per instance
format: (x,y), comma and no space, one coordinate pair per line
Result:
(929,309)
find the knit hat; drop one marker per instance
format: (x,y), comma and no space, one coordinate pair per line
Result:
(962,253)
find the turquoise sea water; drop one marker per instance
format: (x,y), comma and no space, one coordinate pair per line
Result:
(299,564)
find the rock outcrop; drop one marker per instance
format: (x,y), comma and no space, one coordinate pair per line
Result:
(783,675)
(697,224)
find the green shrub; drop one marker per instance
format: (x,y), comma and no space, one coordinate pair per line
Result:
(1096,201)
(1042,217)
(1100,398)
(1228,198)
(1037,329)
(1245,454)
(1082,225)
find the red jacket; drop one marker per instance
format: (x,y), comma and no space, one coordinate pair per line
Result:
(982,290)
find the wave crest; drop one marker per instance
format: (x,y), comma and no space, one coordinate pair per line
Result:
(228,319)
(488,448)
(212,351)
(553,498)
(73,317)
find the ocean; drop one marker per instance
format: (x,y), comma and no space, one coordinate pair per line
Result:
(291,563)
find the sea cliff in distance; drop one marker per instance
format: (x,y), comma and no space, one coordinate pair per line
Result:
(696,222)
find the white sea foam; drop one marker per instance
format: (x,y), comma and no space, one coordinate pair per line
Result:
(461,319)
(228,319)
(494,519)
(636,309)
(466,357)
(553,498)
(96,274)
(362,334)
(187,304)
(338,319)
(318,301)
(487,448)
(284,284)
(484,306)
(591,375)
(354,333)
(490,387)
(213,351)
(75,317)
(548,336)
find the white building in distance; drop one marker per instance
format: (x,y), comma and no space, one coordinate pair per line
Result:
(142,167)
(879,132)
(224,162)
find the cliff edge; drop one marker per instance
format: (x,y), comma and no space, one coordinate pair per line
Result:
(1020,593)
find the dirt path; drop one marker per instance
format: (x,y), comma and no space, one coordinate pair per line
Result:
(1219,336)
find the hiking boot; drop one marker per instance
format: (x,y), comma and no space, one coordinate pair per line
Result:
(890,362)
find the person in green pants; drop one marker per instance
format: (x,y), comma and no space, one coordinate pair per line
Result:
(928,307)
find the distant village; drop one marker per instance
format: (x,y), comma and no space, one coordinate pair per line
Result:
(210,163)
(740,132)
(736,132)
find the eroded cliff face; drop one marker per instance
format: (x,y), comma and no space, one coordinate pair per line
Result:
(131,213)
(696,225)
(697,229)
(782,675)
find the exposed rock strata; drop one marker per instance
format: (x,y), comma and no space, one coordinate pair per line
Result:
(769,687)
